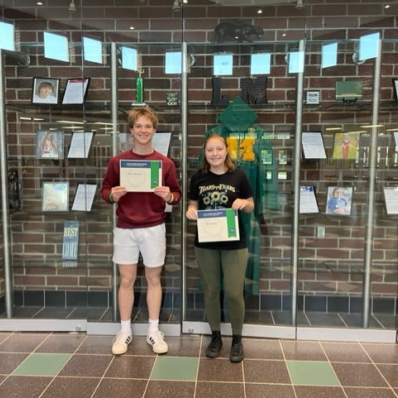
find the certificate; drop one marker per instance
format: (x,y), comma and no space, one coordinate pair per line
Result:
(80,145)
(84,197)
(75,91)
(217,225)
(140,175)
(391,199)
(313,147)
(308,203)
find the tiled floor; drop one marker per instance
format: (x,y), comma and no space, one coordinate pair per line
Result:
(76,365)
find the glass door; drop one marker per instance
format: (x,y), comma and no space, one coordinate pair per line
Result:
(246,94)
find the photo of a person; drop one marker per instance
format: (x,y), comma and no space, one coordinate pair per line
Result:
(346,146)
(45,91)
(49,145)
(339,200)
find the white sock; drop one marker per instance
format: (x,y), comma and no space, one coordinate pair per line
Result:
(126,324)
(153,324)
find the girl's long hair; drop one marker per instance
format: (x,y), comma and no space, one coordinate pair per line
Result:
(205,165)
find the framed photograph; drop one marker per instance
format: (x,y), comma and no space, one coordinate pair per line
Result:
(49,144)
(45,90)
(308,202)
(313,146)
(84,197)
(395,88)
(346,146)
(339,200)
(76,91)
(80,145)
(55,196)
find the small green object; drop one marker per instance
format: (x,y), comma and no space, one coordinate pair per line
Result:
(139,96)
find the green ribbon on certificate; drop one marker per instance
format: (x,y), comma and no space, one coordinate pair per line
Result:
(154,174)
(231,224)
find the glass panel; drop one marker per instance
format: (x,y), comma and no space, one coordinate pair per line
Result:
(342,268)
(263,148)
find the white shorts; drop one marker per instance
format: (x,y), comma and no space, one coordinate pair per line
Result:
(150,242)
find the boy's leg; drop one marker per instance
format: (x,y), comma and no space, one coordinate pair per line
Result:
(128,275)
(154,300)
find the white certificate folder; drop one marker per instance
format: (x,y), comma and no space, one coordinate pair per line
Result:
(218,225)
(140,175)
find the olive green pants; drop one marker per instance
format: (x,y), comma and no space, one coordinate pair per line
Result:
(233,266)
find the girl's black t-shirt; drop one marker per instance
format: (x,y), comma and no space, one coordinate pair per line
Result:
(219,191)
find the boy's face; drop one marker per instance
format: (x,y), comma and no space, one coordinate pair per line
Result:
(45,91)
(143,130)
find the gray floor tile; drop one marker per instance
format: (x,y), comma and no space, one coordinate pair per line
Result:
(96,345)
(380,353)
(266,372)
(121,388)
(324,320)
(23,386)
(67,387)
(4,336)
(360,375)
(220,370)
(86,365)
(319,392)
(168,389)
(23,342)
(390,372)
(369,392)
(10,361)
(269,391)
(303,350)
(62,343)
(131,367)
(53,313)
(219,390)
(262,349)
(345,352)
(187,347)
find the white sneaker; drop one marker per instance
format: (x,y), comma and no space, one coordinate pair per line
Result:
(121,341)
(155,338)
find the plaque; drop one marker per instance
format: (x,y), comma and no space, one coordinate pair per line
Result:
(172,99)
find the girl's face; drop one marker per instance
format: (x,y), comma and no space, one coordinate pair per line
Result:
(216,152)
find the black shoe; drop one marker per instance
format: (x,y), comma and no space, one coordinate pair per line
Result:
(214,348)
(236,349)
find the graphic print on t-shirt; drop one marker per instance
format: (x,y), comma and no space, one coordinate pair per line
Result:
(216,196)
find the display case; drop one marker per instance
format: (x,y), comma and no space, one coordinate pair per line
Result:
(310,114)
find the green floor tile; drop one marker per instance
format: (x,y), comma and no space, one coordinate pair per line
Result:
(175,368)
(42,365)
(314,373)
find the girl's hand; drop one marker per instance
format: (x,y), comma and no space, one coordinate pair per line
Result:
(239,204)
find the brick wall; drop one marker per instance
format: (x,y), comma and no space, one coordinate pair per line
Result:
(324,270)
